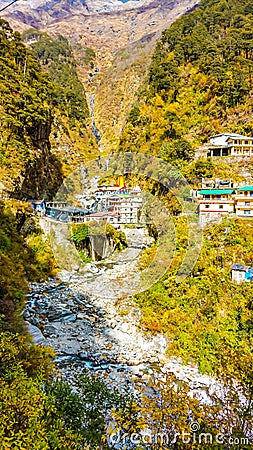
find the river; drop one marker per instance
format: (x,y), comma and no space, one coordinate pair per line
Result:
(92,322)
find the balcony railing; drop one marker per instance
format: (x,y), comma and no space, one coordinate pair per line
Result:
(238,206)
(243,197)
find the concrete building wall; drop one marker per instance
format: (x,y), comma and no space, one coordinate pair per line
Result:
(244,211)
(244,203)
(216,207)
(241,147)
(210,217)
(238,276)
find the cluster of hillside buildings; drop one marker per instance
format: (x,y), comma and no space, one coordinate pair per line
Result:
(218,198)
(113,204)
(121,205)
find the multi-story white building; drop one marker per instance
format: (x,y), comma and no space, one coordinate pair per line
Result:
(230,144)
(125,203)
(127,207)
(244,201)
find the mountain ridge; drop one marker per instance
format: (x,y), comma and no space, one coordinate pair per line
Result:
(104,30)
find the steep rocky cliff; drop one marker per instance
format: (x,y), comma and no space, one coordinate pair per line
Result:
(98,241)
(100,247)
(26,117)
(42,174)
(43,122)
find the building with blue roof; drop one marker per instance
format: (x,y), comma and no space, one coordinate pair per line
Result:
(241,273)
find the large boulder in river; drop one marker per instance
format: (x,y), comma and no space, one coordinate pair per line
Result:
(51,329)
(58,313)
(35,333)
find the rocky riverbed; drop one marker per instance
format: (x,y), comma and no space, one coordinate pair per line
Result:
(92,322)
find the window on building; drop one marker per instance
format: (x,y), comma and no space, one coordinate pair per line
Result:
(246,211)
(207,197)
(207,206)
(220,206)
(251,193)
(247,203)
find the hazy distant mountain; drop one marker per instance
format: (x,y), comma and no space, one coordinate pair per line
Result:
(122,34)
(61,7)
(103,24)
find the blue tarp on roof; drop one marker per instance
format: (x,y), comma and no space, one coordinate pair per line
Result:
(249,274)
(240,267)
(247,269)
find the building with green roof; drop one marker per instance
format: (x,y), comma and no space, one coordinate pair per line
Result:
(214,204)
(244,202)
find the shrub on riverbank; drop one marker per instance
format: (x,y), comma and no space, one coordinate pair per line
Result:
(40,414)
(25,255)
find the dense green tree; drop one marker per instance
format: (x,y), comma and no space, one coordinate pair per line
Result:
(56,56)
(177,149)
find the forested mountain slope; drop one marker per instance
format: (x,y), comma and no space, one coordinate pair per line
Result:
(122,36)
(199,82)
(36,109)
